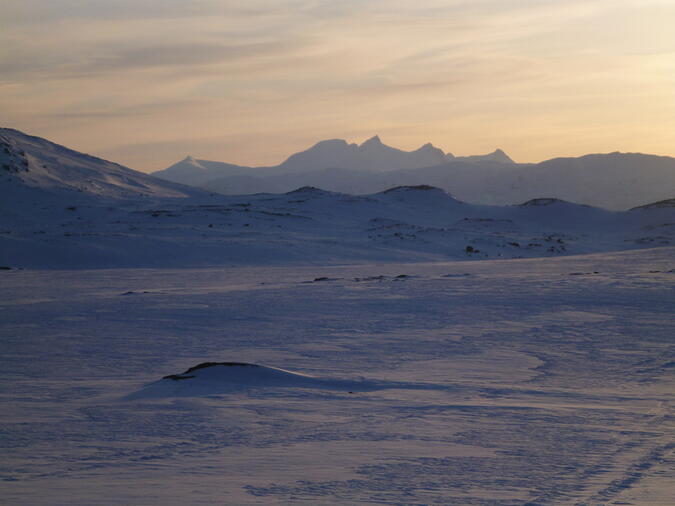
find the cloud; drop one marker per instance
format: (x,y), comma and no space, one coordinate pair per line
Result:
(51,11)
(186,55)
(140,71)
(124,112)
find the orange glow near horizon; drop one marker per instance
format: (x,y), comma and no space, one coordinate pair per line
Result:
(250,82)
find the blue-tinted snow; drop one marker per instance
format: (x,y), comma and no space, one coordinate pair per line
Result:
(550,382)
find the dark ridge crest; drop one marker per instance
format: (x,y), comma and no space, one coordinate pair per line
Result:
(423,187)
(306,189)
(204,365)
(542,201)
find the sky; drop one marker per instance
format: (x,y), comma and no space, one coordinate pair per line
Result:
(147,82)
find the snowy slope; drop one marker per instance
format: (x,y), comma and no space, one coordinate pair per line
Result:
(311,226)
(50,194)
(38,163)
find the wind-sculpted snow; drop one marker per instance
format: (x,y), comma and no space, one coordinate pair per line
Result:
(214,378)
(537,381)
(210,378)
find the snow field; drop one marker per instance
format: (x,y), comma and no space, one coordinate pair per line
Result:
(542,381)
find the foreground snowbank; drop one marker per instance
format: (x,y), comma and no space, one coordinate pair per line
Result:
(210,378)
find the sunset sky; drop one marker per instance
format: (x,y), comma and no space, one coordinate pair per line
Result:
(146,82)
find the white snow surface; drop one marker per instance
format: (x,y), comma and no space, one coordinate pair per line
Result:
(502,382)
(60,230)
(211,378)
(39,164)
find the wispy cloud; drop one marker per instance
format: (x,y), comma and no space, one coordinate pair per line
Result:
(524,74)
(105,61)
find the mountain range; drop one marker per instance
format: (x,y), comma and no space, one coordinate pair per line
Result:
(64,209)
(372,157)
(613,181)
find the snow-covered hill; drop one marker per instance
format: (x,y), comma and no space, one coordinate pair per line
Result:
(60,208)
(194,172)
(45,186)
(37,163)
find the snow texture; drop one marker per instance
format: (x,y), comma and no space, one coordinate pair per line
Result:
(535,381)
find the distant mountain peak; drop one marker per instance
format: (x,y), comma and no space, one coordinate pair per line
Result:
(426,147)
(373,141)
(498,156)
(429,150)
(191,161)
(330,142)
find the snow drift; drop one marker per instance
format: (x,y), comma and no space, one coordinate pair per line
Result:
(212,378)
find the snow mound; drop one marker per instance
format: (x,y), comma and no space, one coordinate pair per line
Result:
(423,195)
(310,190)
(212,378)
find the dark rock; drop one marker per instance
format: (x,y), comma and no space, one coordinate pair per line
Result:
(176,377)
(204,365)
